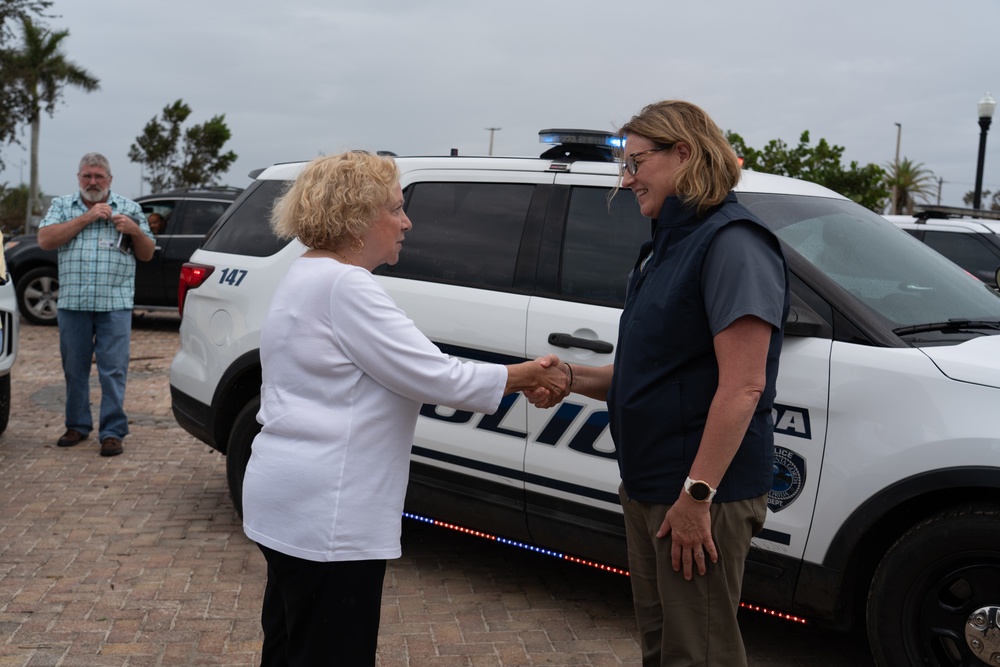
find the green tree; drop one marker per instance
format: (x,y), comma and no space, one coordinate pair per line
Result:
(45,71)
(13,98)
(13,204)
(156,148)
(820,164)
(912,183)
(203,159)
(199,162)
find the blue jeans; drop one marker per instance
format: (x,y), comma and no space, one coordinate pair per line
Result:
(82,335)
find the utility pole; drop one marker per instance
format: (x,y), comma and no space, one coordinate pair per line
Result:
(491,131)
(895,181)
(28,207)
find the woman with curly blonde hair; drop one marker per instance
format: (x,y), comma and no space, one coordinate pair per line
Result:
(344,373)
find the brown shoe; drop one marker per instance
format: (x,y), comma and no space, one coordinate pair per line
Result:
(111,446)
(71,437)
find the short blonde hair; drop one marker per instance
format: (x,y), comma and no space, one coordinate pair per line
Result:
(335,199)
(713,170)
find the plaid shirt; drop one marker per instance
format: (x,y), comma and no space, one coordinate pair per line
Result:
(93,274)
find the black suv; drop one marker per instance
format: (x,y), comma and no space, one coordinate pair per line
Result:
(188,214)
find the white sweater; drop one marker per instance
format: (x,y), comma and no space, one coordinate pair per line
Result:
(344,375)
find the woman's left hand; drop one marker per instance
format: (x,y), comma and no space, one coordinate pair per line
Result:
(689,523)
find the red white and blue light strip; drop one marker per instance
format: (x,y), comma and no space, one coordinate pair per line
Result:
(515,543)
(573,559)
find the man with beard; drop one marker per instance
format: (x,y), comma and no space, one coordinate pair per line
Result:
(99,235)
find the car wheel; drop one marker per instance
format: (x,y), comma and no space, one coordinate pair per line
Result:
(37,295)
(4,402)
(935,597)
(245,429)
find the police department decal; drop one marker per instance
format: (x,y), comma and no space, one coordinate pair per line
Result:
(789,476)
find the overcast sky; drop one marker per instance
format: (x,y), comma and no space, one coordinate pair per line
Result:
(300,78)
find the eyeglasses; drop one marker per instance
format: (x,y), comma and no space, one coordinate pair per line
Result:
(632,167)
(95,177)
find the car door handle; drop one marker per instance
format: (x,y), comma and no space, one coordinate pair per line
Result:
(566,340)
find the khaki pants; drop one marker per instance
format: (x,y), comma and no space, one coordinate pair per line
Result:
(690,623)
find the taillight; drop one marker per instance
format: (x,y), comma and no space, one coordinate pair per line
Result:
(192,276)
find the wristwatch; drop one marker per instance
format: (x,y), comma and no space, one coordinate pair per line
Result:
(699,490)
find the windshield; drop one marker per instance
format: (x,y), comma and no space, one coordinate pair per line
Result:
(903,281)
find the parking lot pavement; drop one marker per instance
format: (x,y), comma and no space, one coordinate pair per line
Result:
(139,559)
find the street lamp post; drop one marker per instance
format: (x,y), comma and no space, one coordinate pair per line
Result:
(987,106)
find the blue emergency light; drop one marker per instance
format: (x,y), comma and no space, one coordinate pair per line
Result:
(569,144)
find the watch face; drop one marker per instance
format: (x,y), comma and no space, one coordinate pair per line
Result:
(699,491)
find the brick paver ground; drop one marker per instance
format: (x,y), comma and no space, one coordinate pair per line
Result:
(139,560)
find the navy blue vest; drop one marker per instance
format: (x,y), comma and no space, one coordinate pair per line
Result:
(665,369)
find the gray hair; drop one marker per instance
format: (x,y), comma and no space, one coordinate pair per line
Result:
(95,160)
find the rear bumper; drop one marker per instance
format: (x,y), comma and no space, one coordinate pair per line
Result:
(194,417)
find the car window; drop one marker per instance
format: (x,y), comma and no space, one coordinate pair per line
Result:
(601,244)
(464,233)
(899,278)
(199,216)
(247,229)
(164,208)
(966,250)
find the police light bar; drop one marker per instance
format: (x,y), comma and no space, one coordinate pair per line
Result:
(580,137)
(936,211)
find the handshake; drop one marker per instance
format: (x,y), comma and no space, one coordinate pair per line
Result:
(544,381)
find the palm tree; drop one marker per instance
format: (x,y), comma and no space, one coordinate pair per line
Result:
(987,198)
(45,72)
(910,183)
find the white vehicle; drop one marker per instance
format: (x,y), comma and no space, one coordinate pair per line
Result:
(968,237)
(9,324)
(886,502)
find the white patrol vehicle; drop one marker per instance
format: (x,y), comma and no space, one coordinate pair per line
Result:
(9,323)
(886,498)
(967,236)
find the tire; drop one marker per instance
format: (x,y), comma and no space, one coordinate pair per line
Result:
(245,429)
(37,294)
(929,584)
(4,402)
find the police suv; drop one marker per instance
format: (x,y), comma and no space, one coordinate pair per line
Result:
(968,237)
(886,498)
(9,324)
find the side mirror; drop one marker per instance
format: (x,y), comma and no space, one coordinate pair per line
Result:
(803,323)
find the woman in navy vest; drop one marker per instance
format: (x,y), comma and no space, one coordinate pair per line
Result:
(692,386)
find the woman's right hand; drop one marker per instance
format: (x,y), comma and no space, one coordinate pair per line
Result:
(542,397)
(541,375)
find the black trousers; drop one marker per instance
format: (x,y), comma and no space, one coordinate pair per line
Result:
(320,613)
